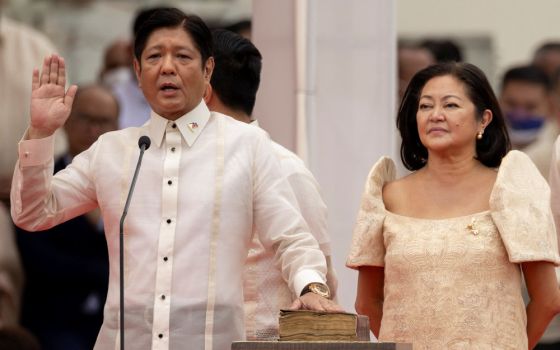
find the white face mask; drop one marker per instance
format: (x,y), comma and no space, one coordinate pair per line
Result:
(116,77)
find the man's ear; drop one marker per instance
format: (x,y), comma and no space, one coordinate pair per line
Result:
(137,71)
(208,69)
(208,94)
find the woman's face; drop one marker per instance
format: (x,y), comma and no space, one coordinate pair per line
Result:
(446,117)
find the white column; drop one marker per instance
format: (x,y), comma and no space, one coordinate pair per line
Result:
(333,103)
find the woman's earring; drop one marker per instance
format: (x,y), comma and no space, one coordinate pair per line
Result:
(479,135)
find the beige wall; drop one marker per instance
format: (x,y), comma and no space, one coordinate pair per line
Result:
(516,27)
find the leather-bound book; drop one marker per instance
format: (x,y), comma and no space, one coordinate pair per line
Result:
(303,325)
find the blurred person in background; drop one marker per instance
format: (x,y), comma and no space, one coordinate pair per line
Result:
(242,27)
(527,104)
(443,50)
(21,49)
(547,58)
(232,91)
(411,58)
(67,267)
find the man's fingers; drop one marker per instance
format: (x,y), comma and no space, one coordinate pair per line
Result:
(61,72)
(53,72)
(296,305)
(45,71)
(69,98)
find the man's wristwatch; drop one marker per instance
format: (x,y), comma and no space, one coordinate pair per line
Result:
(317,288)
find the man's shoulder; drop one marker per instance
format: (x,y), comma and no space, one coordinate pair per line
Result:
(290,162)
(235,126)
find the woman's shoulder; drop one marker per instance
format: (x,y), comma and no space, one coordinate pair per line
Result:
(517,170)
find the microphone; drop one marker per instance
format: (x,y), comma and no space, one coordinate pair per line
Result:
(144,143)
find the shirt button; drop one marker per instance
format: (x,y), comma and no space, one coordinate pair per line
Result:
(26,154)
(164,258)
(160,336)
(169,182)
(172,149)
(173,125)
(168,221)
(163,297)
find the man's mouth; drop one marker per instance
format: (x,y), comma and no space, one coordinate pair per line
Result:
(168,87)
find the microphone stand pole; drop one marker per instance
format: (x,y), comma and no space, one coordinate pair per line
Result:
(143,147)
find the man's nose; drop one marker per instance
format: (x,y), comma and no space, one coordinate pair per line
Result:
(167,65)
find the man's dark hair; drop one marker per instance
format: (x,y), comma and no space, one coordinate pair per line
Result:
(169,17)
(443,50)
(237,72)
(527,74)
(239,27)
(142,15)
(489,150)
(548,46)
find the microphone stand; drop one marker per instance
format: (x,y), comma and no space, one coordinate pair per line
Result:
(144,144)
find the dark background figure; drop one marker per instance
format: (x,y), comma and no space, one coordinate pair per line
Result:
(17,338)
(547,58)
(443,50)
(527,104)
(67,266)
(242,27)
(411,58)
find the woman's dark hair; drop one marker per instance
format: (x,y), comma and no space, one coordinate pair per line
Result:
(170,17)
(489,150)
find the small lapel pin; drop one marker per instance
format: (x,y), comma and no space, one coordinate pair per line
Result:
(472,228)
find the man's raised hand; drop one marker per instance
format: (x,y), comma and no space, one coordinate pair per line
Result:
(50,103)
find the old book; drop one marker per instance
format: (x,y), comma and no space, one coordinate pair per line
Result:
(304,325)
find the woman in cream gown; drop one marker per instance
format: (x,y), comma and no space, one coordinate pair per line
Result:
(441,252)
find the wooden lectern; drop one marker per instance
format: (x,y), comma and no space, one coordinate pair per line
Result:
(315,345)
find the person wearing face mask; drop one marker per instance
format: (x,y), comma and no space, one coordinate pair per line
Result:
(526,102)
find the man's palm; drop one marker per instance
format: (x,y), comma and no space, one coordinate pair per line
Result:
(48,110)
(50,104)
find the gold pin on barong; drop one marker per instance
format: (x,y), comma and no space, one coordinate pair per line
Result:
(472,228)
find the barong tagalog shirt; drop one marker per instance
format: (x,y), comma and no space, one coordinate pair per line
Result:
(206,183)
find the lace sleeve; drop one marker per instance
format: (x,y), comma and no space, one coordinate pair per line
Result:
(520,208)
(367,243)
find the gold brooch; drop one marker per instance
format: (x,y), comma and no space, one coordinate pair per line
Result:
(472,228)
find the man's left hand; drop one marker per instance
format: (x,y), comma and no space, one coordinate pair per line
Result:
(315,302)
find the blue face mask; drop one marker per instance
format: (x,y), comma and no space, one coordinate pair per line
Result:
(524,128)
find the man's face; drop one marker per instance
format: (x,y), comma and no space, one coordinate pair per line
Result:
(525,98)
(171,73)
(94,112)
(526,106)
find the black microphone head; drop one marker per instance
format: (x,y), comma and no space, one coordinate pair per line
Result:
(144,141)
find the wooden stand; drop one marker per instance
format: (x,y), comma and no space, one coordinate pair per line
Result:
(285,345)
